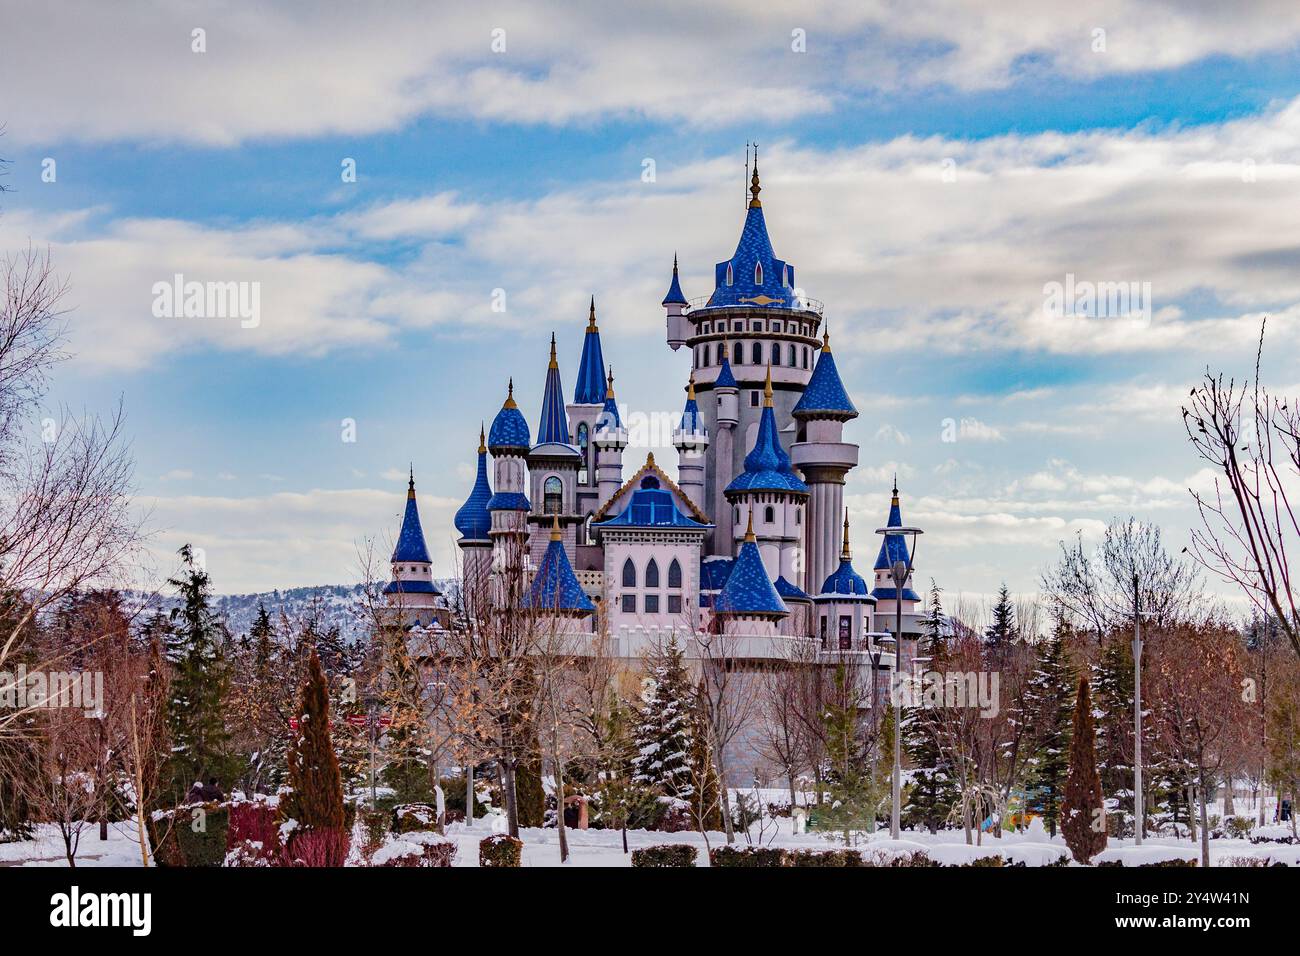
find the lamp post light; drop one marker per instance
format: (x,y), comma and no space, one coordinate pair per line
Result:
(899,571)
(885,644)
(1139,801)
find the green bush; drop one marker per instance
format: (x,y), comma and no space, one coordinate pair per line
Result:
(747,856)
(668,854)
(409,817)
(200,833)
(375,825)
(837,858)
(500,849)
(1238,828)
(985,861)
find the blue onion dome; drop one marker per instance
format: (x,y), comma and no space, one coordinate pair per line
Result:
(845,582)
(509,432)
(749,591)
(555,587)
(473,520)
(824,396)
(767,466)
(410,542)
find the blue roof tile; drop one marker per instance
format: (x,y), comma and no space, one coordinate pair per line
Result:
(509,429)
(748,589)
(757,276)
(554,426)
(674,296)
(473,520)
(555,587)
(824,395)
(714,571)
(590,387)
(725,377)
(790,592)
(410,542)
(411,587)
(767,466)
(651,506)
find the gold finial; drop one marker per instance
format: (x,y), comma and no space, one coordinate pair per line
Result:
(826,339)
(591,317)
(754,187)
(650,459)
(690,388)
(749,528)
(410,489)
(555,527)
(609,383)
(554,364)
(844,552)
(482,439)
(510,395)
(767,388)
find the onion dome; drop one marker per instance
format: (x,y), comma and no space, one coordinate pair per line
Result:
(509,431)
(844,583)
(473,520)
(824,395)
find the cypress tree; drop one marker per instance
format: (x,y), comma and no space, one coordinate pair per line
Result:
(317,800)
(849,779)
(706,802)
(1082,820)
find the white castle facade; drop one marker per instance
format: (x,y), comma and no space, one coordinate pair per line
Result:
(751,541)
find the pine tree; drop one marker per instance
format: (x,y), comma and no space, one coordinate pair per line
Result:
(1001,633)
(1048,707)
(317,798)
(935,628)
(1112,676)
(196,712)
(1082,821)
(663,739)
(933,792)
(853,786)
(706,801)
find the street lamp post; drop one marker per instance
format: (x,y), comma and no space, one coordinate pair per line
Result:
(1139,804)
(876,652)
(899,571)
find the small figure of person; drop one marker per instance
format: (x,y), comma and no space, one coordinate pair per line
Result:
(212,793)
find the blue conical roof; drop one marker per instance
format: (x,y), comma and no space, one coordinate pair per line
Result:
(767,466)
(410,542)
(824,396)
(845,581)
(692,423)
(554,426)
(674,296)
(590,388)
(748,589)
(556,587)
(509,431)
(757,276)
(892,550)
(609,417)
(473,520)
(725,377)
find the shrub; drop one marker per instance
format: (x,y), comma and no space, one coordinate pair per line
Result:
(375,825)
(248,853)
(416,850)
(252,824)
(410,817)
(823,858)
(317,848)
(668,854)
(500,849)
(1239,828)
(1250,861)
(747,856)
(200,833)
(884,858)
(985,861)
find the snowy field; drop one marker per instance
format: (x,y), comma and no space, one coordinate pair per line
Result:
(604,847)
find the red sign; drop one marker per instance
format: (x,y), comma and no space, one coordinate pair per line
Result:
(293,723)
(356,720)
(385,721)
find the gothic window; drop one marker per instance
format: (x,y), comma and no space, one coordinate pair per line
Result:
(776,353)
(757,351)
(731,278)
(738,354)
(790,356)
(652,574)
(552,496)
(675,574)
(805,356)
(737,514)
(722,353)
(758,273)
(583,446)
(629,574)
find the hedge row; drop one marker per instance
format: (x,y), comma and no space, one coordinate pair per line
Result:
(669,854)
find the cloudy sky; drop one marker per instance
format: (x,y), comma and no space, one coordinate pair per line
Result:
(929,168)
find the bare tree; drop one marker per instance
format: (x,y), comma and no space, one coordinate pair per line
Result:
(1249,524)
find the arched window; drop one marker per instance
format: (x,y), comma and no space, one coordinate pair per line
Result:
(805,356)
(790,354)
(738,354)
(722,353)
(629,574)
(652,574)
(769,514)
(757,351)
(737,514)
(776,353)
(552,496)
(674,574)
(731,278)
(758,273)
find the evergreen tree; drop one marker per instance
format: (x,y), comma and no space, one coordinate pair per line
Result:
(406,767)
(1082,821)
(196,712)
(850,777)
(1001,633)
(706,801)
(935,628)
(663,738)
(1048,707)
(933,791)
(623,803)
(317,797)
(1112,676)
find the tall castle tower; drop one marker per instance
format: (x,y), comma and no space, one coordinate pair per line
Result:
(553,466)
(474,522)
(754,318)
(509,442)
(584,416)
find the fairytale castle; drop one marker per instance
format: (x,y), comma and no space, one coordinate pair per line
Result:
(750,541)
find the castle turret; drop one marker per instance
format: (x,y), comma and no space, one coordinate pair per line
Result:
(777,496)
(584,412)
(823,458)
(553,465)
(749,604)
(690,439)
(412,589)
(611,439)
(474,522)
(508,441)
(555,588)
(676,304)
(727,416)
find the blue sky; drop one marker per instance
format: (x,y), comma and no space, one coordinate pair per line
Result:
(927,168)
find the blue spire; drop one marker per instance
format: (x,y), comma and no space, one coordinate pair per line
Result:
(767,466)
(590,389)
(410,542)
(556,587)
(554,426)
(824,396)
(748,589)
(892,550)
(509,430)
(473,520)
(844,582)
(609,417)
(692,423)
(674,296)
(725,378)
(753,274)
